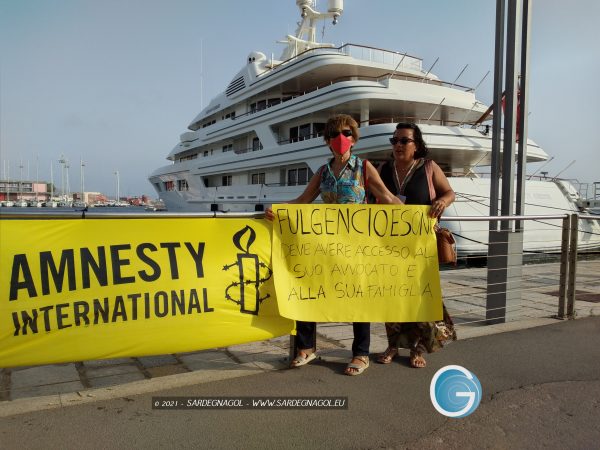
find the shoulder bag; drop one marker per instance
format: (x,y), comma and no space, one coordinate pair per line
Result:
(446,245)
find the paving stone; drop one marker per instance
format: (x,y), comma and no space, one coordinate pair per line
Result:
(44,375)
(256,351)
(107,362)
(225,364)
(114,380)
(167,370)
(47,389)
(157,361)
(205,356)
(104,371)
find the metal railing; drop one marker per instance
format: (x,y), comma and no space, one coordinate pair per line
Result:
(542,282)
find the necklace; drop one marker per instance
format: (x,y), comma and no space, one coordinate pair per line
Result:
(405,178)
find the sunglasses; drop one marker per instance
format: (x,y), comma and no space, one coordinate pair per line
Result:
(402,140)
(334,134)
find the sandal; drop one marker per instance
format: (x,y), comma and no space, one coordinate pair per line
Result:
(358,368)
(387,356)
(417,360)
(302,359)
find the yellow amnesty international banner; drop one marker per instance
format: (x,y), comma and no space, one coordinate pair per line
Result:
(356,263)
(81,289)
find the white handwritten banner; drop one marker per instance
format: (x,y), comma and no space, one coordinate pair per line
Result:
(356,263)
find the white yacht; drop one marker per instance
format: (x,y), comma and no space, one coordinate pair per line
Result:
(260,141)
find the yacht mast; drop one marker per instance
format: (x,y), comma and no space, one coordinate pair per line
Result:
(306,33)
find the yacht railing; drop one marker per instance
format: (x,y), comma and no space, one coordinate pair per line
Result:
(365,53)
(484,129)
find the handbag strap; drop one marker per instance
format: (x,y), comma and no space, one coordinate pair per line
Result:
(429,173)
(365,181)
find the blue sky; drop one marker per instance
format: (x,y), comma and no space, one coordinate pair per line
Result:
(115,83)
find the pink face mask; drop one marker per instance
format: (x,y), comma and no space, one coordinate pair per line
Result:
(340,144)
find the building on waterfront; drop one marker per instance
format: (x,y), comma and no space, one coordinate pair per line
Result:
(29,191)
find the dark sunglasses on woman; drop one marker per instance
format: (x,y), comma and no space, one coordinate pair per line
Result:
(402,140)
(334,134)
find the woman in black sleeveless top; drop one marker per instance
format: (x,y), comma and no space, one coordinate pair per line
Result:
(405,175)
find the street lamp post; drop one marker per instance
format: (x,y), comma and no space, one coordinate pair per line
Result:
(81,177)
(117,181)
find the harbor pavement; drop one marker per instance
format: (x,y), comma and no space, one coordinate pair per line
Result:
(49,386)
(541,389)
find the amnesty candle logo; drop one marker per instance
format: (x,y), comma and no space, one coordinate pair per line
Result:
(249,268)
(91,288)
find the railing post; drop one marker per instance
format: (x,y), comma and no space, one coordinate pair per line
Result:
(564,265)
(574,222)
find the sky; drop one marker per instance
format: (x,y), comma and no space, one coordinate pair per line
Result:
(114,83)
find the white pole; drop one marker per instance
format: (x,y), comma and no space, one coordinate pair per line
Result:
(20,180)
(67,185)
(81,179)
(51,181)
(117,181)
(37,175)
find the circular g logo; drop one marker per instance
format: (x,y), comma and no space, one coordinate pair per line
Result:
(455,392)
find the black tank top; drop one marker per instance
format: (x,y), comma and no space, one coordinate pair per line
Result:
(417,188)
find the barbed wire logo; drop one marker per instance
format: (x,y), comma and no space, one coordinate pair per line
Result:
(455,391)
(249,271)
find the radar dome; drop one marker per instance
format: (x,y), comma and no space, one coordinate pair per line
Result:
(256,57)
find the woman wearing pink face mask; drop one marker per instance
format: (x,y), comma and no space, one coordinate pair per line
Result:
(341,180)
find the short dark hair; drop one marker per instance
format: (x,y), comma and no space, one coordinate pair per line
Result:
(335,123)
(422,149)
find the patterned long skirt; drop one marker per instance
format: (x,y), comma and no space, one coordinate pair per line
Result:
(421,337)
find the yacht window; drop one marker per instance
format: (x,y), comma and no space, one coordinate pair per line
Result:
(256,145)
(273,102)
(300,133)
(304,132)
(169,186)
(157,187)
(303,176)
(297,176)
(182,185)
(318,129)
(294,134)
(227,148)
(226,180)
(205,152)
(205,181)
(258,178)
(292,177)
(188,157)
(261,105)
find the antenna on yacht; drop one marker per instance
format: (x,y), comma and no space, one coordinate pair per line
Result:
(201,73)
(461,72)
(467,113)
(474,166)
(397,65)
(540,168)
(479,84)
(434,63)
(556,176)
(436,108)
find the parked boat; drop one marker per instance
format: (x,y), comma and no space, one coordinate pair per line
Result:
(260,141)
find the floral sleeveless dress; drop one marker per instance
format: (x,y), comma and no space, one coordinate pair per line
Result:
(348,187)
